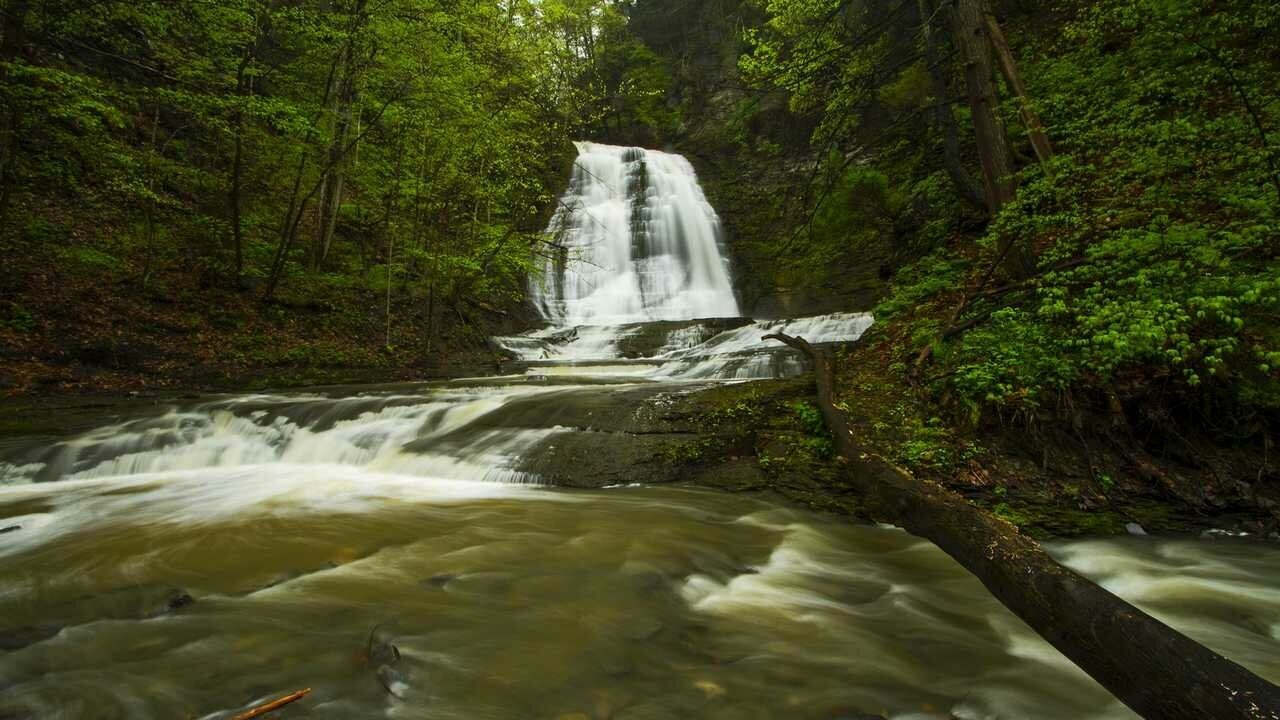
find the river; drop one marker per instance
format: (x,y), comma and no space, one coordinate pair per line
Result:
(396,550)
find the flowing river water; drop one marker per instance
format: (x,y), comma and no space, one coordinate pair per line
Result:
(397,550)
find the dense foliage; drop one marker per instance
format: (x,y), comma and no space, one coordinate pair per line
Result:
(411,146)
(1153,229)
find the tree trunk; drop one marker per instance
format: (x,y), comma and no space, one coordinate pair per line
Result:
(443,228)
(970,30)
(237,222)
(243,83)
(417,239)
(1009,68)
(343,101)
(329,218)
(13,37)
(287,231)
(391,247)
(149,204)
(1155,670)
(431,311)
(965,186)
(393,192)
(298,205)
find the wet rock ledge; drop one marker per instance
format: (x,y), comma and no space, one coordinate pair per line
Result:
(756,436)
(767,437)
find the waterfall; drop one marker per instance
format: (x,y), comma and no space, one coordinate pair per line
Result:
(635,240)
(637,284)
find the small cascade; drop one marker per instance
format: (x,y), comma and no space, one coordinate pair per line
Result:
(637,241)
(718,349)
(435,432)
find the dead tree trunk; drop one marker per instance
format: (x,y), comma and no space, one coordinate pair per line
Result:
(1152,668)
(969,27)
(1009,69)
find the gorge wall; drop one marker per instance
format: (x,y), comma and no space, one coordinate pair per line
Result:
(756,164)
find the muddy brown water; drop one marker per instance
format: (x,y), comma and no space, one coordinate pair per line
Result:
(383,547)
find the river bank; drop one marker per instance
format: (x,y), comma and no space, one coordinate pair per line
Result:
(78,329)
(767,437)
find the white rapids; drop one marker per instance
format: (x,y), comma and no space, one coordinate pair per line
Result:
(409,433)
(692,350)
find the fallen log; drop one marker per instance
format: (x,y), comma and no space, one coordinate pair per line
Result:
(263,709)
(1155,670)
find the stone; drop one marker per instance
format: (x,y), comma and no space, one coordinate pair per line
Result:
(381,649)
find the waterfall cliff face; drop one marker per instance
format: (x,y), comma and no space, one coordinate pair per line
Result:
(634,240)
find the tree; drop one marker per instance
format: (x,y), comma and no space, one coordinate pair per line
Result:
(253,140)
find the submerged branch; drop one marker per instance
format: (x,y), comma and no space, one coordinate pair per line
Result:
(263,709)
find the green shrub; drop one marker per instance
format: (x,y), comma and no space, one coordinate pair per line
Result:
(40,231)
(1155,233)
(810,418)
(20,318)
(90,258)
(919,282)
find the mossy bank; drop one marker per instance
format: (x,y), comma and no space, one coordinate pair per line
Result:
(768,437)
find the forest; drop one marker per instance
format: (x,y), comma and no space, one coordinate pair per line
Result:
(238,158)
(1097,220)
(998,272)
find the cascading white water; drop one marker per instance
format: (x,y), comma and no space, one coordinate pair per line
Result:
(405,434)
(637,241)
(638,245)
(692,350)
